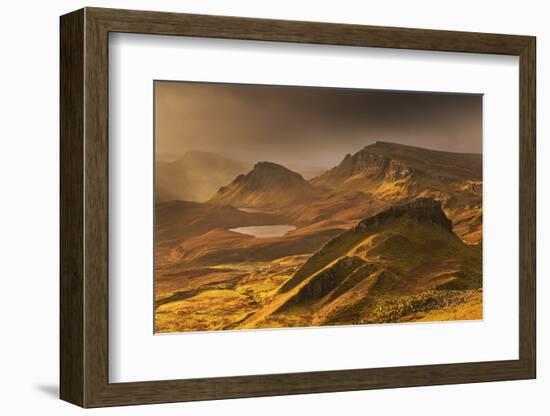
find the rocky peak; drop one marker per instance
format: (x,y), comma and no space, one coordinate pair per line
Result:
(267,185)
(368,163)
(268,165)
(274,174)
(421,209)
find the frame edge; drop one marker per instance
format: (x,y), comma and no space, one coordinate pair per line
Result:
(528,209)
(84,146)
(72,298)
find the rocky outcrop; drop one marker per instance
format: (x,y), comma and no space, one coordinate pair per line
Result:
(392,162)
(421,209)
(365,164)
(397,171)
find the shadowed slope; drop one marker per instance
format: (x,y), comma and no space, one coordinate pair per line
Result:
(422,210)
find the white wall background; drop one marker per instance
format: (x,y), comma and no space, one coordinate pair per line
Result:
(29,210)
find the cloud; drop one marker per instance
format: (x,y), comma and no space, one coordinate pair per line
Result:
(305,125)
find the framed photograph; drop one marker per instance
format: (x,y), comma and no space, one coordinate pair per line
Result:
(264,207)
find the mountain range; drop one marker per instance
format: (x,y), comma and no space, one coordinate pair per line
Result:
(397,173)
(197,175)
(375,177)
(392,233)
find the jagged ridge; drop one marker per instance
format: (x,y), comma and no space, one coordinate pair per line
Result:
(394,162)
(422,209)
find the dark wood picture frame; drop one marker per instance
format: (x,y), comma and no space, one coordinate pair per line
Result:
(84,207)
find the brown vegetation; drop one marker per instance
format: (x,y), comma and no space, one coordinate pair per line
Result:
(391,234)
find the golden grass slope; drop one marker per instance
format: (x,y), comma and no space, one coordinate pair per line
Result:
(406,252)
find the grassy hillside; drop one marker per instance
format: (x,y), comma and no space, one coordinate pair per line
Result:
(402,265)
(403,261)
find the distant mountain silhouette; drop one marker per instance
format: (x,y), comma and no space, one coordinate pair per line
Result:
(195,176)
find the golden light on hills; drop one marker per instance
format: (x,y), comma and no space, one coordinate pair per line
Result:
(289,214)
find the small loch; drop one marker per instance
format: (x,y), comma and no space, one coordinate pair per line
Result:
(265,231)
(252,210)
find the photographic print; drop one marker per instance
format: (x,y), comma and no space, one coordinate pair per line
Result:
(295,206)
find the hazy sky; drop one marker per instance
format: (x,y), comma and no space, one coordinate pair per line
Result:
(308,126)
